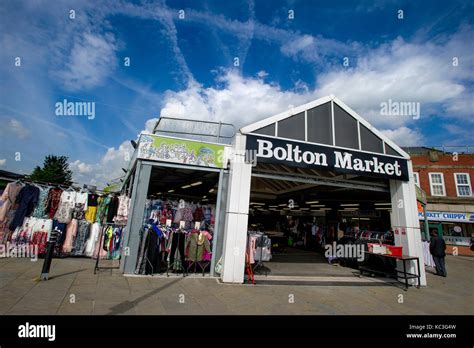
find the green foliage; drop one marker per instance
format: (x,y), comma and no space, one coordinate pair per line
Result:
(55,170)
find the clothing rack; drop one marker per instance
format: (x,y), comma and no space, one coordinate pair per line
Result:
(63,186)
(260,267)
(101,235)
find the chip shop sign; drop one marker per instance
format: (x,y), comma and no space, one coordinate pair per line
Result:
(297,154)
(447,216)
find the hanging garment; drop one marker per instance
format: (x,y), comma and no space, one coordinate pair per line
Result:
(70,235)
(116,242)
(79,244)
(92,200)
(8,198)
(54,198)
(78,211)
(66,206)
(108,235)
(102,204)
(153,264)
(40,210)
(198,215)
(40,241)
(92,240)
(99,251)
(251,248)
(91,214)
(26,199)
(207,214)
(196,244)
(122,211)
(177,255)
(112,209)
(82,198)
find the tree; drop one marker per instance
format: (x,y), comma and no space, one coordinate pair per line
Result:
(55,170)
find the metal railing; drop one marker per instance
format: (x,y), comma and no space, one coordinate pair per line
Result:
(222,132)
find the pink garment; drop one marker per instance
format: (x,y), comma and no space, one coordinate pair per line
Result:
(206,256)
(9,198)
(252,247)
(70,235)
(99,250)
(207,234)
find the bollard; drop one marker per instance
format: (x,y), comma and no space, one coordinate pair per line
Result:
(53,238)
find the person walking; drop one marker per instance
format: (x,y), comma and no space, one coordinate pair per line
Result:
(438,250)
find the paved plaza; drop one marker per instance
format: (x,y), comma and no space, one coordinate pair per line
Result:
(74,289)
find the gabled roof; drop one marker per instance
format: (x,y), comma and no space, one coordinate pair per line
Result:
(326,121)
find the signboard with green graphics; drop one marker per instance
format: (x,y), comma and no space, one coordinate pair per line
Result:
(158,148)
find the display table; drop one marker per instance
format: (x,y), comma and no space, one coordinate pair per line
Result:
(400,274)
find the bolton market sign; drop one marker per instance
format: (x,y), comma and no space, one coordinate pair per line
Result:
(297,154)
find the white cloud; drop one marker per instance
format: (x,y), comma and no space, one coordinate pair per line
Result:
(262,74)
(91,59)
(3,161)
(17,128)
(81,167)
(406,72)
(108,169)
(239,101)
(150,124)
(404,136)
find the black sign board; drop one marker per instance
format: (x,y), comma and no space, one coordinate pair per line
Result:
(297,154)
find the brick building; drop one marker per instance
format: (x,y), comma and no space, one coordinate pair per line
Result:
(446,177)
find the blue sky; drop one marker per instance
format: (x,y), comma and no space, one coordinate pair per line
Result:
(184,67)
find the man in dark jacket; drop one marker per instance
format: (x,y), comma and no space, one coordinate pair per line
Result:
(438,250)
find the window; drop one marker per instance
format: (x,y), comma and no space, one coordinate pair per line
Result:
(437,184)
(292,127)
(369,141)
(267,130)
(416,176)
(346,129)
(463,184)
(320,124)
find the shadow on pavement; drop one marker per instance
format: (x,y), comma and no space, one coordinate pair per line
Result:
(127,305)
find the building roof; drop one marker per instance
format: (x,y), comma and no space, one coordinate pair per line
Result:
(326,121)
(6,175)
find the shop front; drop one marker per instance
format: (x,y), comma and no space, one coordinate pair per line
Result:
(313,175)
(457,228)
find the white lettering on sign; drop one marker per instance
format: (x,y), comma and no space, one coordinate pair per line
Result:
(447,216)
(292,154)
(345,161)
(342,159)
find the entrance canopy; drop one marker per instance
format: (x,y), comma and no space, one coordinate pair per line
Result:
(325,134)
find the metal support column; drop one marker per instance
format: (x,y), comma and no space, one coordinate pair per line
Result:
(217,222)
(135,218)
(427,227)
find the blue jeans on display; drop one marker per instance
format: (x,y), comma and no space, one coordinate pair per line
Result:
(440,265)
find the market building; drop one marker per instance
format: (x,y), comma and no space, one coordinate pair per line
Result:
(319,164)
(446,177)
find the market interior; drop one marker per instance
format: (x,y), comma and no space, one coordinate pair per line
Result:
(301,210)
